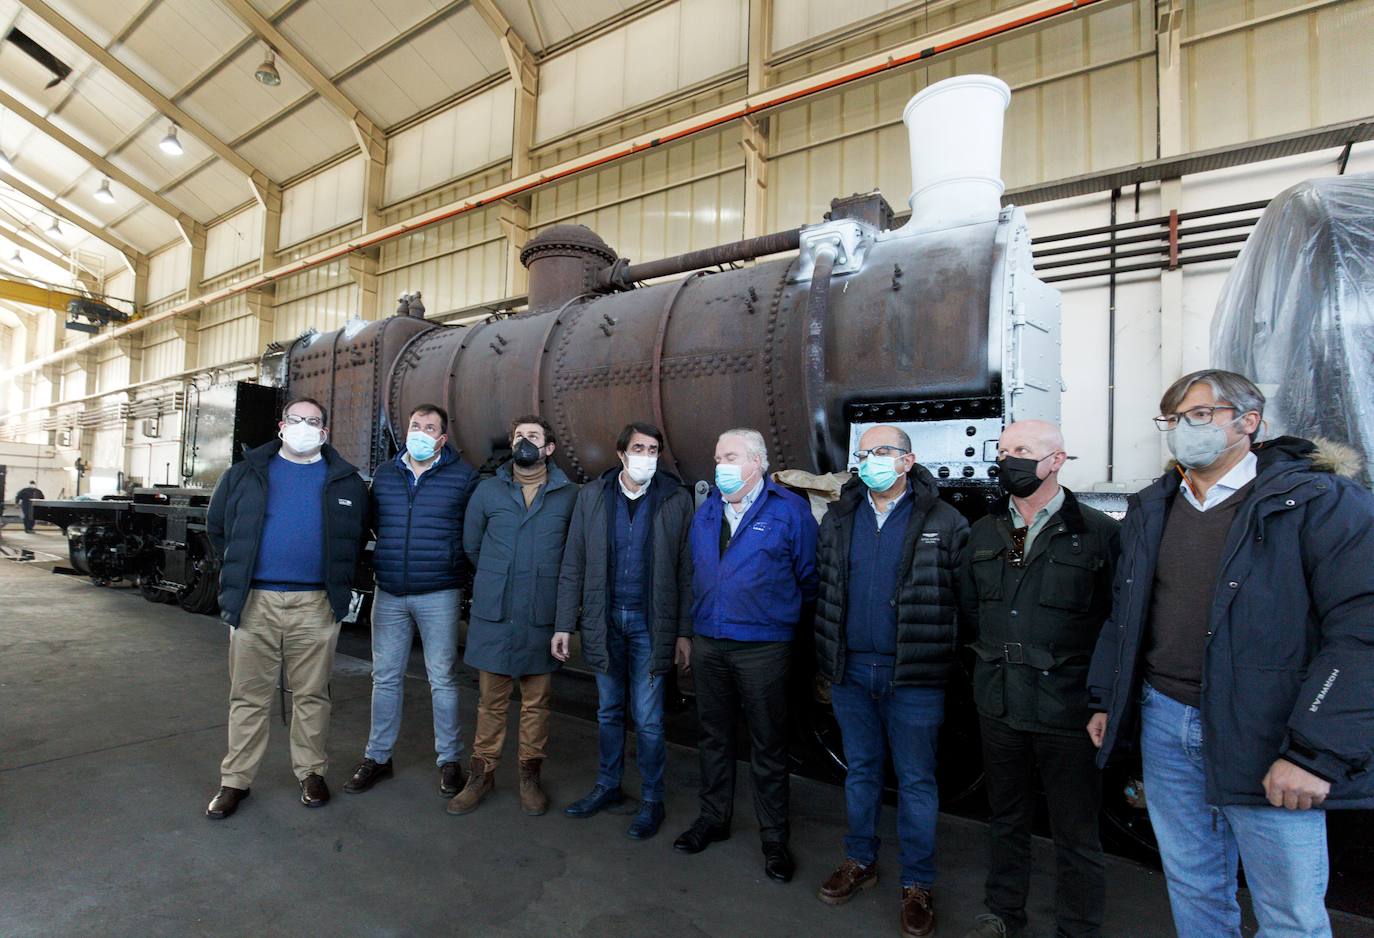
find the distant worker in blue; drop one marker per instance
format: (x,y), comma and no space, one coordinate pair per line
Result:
(753,547)
(626,588)
(25,499)
(418,502)
(287,522)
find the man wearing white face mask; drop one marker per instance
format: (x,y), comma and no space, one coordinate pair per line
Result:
(287,522)
(418,502)
(1239,654)
(753,547)
(624,585)
(885,638)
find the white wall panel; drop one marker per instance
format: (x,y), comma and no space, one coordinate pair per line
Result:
(164,352)
(168,271)
(326,200)
(671,48)
(452,143)
(455,264)
(234,241)
(119,286)
(324,312)
(228,332)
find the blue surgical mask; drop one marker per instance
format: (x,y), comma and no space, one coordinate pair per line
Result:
(420,445)
(879,472)
(729,479)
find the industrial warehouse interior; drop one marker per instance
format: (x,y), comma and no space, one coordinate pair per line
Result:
(343,343)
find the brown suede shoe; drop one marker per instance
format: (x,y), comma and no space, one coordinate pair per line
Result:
(533,801)
(918,912)
(481,781)
(225,803)
(848,881)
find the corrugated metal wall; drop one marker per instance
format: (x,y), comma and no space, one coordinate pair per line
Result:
(235,241)
(451,144)
(322,202)
(322,298)
(455,264)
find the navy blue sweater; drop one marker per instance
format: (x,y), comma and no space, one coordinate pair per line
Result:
(630,553)
(419,524)
(875,569)
(291,553)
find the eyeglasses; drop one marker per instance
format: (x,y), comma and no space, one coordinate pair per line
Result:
(296,419)
(1194,417)
(894,451)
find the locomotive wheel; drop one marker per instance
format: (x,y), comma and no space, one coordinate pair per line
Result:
(150,592)
(201,596)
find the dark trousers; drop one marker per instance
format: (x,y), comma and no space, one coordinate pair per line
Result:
(1073,788)
(730,674)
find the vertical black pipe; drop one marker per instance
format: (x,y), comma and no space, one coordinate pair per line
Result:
(1111,345)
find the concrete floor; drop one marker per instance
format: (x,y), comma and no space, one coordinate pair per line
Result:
(112,725)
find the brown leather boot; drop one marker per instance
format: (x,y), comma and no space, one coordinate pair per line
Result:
(533,801)
(481,780)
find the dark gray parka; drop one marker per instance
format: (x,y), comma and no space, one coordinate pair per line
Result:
(516,553)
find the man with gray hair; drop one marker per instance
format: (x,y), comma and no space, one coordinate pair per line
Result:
(753,547)
(1239,654)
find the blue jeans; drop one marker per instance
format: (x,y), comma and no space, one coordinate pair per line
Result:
(394,622)
(1284,851)
(628,645)
(876,718)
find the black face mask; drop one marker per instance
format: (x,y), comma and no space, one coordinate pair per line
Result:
(526,453)
(1016,475)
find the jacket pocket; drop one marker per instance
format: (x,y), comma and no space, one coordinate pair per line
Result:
(1062,693)
(546,594)
(987,573)
(989,681)
(489,590)
(1069,581)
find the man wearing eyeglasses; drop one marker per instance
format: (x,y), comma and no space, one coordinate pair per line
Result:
(1035,588)
(626,586)
(1239,654)
(287,522)
(886,635)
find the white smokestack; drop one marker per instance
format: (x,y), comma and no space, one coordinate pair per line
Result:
(954,129)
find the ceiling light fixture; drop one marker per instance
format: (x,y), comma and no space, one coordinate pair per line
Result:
(55,229)
(17,258)
(267,72)
(170,144)
(103,194)
(5,162)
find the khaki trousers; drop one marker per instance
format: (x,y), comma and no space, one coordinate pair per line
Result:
(298,629)
(492,704)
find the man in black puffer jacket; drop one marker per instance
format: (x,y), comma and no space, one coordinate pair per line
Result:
(418,501)
(626,584)
(886,637)
(287,522)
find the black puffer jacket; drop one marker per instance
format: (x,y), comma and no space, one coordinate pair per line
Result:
(1290,658)
(932,549)
(239,507)
(583,584)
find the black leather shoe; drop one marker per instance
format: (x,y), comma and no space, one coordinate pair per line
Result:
(701,835)
(647,821)
(314,792)
(367,773)
(450,778)
(600,797)
(225,803)
(778,862)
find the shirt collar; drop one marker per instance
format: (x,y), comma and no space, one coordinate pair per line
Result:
(891,506)
(632,496)
(747,500)
(1239,476)
(1050,509)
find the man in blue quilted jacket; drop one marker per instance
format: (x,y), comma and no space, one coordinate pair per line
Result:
(418,502)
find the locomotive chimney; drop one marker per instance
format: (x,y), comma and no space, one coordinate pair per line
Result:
(954,129)
(563,261)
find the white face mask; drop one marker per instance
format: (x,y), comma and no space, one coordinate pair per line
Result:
(302,439)
(641,468)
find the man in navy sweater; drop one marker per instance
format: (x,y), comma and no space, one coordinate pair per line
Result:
(753,549)
(885,638)
(287,522)
(418,501)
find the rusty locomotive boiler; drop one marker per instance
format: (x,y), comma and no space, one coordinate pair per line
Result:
(938,325)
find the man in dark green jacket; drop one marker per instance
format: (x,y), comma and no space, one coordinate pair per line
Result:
(1035,588)
(626,584)
(513,534)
